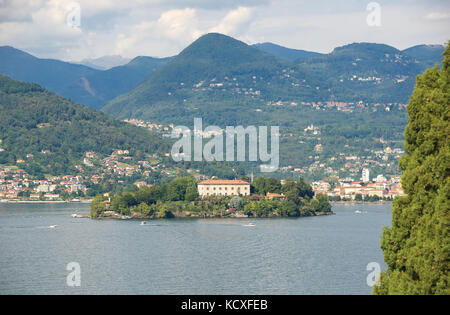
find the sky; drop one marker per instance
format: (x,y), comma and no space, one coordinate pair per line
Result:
(75,30)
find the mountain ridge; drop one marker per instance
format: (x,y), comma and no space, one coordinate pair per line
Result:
(84,85)
(284,52)
(222,72)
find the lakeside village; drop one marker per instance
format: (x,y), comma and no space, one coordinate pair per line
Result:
(17,185)
(110,174)
(345,176)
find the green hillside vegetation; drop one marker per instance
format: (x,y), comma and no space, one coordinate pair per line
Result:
(218,74)
(182,87)
(181,90)
(417,246)
(34,120)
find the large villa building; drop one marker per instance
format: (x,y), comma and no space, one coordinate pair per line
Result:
(223,188)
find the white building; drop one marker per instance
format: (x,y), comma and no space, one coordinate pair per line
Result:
(365,175)
(380,178)
(45,188)
(223,188)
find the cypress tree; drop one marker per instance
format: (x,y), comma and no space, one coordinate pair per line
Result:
(417,246)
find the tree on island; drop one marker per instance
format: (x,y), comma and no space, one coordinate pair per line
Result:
(417,246)
(236,202)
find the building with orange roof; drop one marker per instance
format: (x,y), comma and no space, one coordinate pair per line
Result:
(275,196)
(223,187)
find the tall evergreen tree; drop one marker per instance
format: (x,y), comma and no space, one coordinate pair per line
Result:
(417,246)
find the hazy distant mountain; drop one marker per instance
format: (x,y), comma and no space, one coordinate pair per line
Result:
(118,80)
(285,53)
(61,77)
(105,62)
(80,83)
(427,54)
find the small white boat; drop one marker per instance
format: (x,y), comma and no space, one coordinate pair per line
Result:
(52,226)
(358,211)
(250,224)
(143,222)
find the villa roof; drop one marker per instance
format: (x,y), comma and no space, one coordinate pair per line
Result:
(223,182)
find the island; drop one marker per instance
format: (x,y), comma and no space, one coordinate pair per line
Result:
(184,197)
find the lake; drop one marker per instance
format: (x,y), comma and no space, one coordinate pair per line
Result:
(311,255)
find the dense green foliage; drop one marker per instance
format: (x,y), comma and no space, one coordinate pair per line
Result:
(34,120)
(84,85)
(180,198)
(417,246)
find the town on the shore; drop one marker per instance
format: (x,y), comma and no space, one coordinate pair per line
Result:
(344,176)
(17,185)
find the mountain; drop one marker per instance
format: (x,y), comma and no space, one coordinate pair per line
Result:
(217,76)
(214,75)
(367,71)
(228,83)
(34,120)
(427,54)
(285,53)
(105,62)
(84,85)
(61,77)
(105,85)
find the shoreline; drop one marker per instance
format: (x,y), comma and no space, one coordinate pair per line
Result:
(381,202)
(45,201)
(88,201)
(182,215)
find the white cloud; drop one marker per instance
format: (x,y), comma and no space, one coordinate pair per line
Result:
(235,22)
(165,27)
(178,25)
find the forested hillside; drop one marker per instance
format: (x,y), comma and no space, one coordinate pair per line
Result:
(57,132)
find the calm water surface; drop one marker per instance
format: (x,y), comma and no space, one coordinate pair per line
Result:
(317,255)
